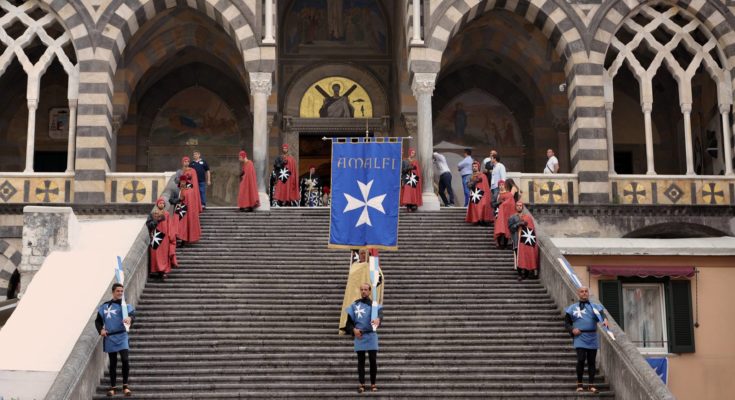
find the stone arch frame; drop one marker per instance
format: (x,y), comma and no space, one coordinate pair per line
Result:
(682,230)
(713,17)
(587,135)
(313,73)
(10,258)
(121,20)
(161,48)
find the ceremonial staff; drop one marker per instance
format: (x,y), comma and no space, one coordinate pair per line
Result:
(120,278)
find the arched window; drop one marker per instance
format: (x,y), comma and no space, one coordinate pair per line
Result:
(35,46)
(669,55)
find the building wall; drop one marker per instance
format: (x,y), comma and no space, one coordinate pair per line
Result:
(707,373)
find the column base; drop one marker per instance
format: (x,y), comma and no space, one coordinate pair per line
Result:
(265,202)
(431,202)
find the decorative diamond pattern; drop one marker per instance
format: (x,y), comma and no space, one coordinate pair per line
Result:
(7,191)
(674,193)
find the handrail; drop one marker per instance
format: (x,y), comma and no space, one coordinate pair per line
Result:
(625,369)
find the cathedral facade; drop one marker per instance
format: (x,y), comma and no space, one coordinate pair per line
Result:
(102,96)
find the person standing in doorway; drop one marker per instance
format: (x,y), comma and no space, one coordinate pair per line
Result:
(111,325)
(286,192)
(465,170)
(204,177)
(552,163)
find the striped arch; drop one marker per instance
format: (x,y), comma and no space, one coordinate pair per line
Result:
(162,47)
(121,21)
(9,261)
(588,151)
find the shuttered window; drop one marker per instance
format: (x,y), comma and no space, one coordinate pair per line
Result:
(680,317)
(678,300)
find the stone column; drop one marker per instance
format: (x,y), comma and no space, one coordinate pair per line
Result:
(686,110)
(31,134)
(268,10)
(610,148)
(416,39)
(647,108)
(726,138)
(423,88)
(71,146)
(260,89)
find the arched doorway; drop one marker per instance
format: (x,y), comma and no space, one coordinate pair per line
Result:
(178,96)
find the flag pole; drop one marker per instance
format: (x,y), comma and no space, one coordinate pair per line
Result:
(120,278)
(374,264)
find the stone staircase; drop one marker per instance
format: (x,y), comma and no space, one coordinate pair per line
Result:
(252,312)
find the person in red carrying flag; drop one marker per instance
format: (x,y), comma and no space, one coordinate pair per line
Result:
(247,197)
(521,223)
(287,182)
(163,240)
(411,180)
(479,211)
(188,212)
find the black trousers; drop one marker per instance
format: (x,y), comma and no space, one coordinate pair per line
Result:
(113,367)
(373,355)
(588,355)
(445,184)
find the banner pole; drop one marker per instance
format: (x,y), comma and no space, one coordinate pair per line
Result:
(120,278)
(374,265)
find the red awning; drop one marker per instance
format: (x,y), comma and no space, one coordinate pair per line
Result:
(641,271)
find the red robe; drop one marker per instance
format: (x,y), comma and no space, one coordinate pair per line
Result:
(192,173)
(175,233)
(527,244)
(505,210)
(287,191)
(161,256)
(189,228)
(480,211)
(410,194)
(248,195)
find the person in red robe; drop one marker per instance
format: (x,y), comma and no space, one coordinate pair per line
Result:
(411,179)
(287,181)
(247,197)
(505,210)
(163,240)
(187,170)
(188,210)
(524,240)
(479,211)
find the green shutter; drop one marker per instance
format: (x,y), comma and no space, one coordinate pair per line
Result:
(679,316)
(611,296)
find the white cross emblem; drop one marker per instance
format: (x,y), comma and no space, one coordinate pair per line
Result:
(375,202)
(359,311)
(528,237)
(578,312)
(109,312)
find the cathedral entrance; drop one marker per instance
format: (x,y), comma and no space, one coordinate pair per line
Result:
(316,152)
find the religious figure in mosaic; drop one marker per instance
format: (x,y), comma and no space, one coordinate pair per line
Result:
(336,106)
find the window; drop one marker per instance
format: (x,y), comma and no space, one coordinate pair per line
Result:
(656,313)
(645,316)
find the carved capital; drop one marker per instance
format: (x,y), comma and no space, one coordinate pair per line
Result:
(260,83)
(423,83)
(725,108)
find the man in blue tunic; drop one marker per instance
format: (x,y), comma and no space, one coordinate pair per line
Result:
(111,326)
(366,338)
(581,321)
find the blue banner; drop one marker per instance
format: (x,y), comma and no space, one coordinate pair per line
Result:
(365,194)
(661,366)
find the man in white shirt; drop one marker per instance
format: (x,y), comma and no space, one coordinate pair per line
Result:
(497,176)
(445,179)
(552,164)
(465,169)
